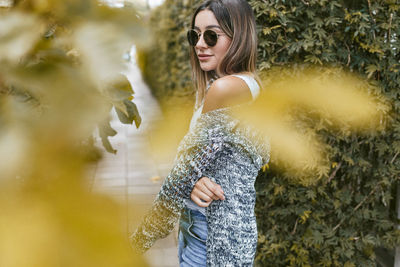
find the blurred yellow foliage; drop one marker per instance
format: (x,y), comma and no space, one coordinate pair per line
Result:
(55,58)
(331,99)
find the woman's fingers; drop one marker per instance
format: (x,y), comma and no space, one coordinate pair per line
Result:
(200,194)
(201,187)
(205,191)
(199,202)
(214,188)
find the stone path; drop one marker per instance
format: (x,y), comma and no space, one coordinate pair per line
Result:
(130,175)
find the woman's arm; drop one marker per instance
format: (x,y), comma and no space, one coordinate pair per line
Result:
(189,166)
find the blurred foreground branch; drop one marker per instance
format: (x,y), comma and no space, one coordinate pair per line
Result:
(60,75)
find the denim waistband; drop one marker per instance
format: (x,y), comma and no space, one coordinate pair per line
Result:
(193,206)
(193,223)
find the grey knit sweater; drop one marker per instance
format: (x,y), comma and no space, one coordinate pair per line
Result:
(231,154)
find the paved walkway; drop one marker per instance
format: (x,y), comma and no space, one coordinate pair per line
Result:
(132,176)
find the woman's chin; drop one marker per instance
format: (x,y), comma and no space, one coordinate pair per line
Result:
(207,67)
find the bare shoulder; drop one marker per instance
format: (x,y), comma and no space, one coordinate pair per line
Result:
(226,91)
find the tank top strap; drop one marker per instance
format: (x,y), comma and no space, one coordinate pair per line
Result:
(251,83)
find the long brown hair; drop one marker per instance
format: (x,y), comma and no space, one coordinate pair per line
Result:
(237,21)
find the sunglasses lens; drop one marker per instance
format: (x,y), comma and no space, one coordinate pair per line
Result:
(193,37)
(210,37)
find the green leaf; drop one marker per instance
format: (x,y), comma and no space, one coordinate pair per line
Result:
(106,131)
(129,114)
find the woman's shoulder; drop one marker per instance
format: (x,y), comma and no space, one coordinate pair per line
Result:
(226,91)
(233,81)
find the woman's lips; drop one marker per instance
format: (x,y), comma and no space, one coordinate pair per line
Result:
(203,57)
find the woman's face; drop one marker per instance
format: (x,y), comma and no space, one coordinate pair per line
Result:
(210,57)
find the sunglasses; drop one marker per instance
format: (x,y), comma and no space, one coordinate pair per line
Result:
(210,37)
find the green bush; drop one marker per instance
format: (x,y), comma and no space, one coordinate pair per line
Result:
(342,219)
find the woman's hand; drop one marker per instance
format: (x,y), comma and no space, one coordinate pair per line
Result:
(205,191)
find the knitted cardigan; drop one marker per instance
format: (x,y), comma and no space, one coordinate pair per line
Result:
(229,153)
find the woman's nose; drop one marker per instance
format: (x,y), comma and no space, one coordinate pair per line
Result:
(201,43)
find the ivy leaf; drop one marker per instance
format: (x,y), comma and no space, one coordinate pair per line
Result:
(371,69)
(311,194)
(317,237)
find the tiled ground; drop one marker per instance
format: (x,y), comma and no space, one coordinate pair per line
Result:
(127,175)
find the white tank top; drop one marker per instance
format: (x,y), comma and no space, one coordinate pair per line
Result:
(255,91)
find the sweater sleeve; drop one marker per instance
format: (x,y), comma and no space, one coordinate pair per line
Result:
(194,157)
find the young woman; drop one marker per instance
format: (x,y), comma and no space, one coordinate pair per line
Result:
(211,186)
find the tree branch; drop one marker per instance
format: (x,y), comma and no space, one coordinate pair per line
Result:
(333,174)
(306,3)
(348,55)
(395,156)
(372,17)
(357,207)
(295,227)
(390,27)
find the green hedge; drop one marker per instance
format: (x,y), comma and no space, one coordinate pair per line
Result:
(166,65)
(343,219)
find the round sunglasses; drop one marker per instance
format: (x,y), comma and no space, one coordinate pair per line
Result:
(210,37)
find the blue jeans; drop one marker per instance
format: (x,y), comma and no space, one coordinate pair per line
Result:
(192,239)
